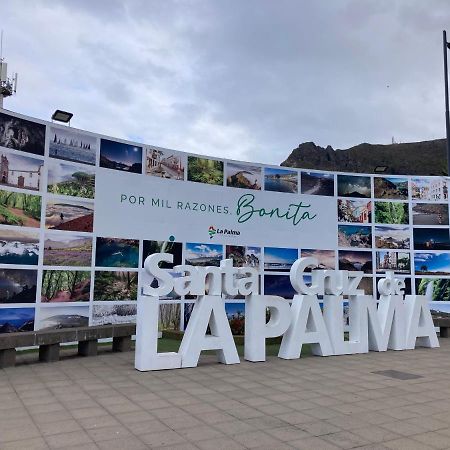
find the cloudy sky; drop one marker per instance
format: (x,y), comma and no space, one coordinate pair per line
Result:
(240,79)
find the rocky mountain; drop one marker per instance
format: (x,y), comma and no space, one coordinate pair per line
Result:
(413,158)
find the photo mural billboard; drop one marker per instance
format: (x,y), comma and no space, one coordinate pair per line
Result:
(79,213)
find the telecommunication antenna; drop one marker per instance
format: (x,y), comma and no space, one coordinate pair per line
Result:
(8,86)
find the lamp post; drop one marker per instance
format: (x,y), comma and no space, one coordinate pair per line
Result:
(447,119)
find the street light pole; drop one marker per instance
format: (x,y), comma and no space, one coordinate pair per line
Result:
(447,115)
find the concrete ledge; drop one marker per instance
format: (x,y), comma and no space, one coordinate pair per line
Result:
(7,358)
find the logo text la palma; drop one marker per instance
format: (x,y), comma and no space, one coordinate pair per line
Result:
(212,231)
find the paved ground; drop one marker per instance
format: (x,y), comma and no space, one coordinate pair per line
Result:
(311,403)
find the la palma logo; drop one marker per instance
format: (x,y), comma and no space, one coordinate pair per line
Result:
(213,231)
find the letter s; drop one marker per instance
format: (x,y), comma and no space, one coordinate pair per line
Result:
(165,280)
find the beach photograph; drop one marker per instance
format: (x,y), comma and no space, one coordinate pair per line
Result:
(399,262)
(354,236)
(57,317)
(278,285)
(278,259)
(391,212)
(66,179)
(120,285)
(204,170)
(19,247)
(164,163)
(67,249)
(20,171)
(244,256)
(393,188)
(60,286)
(171,247)
(354,211)
(431,239)
(280,180)
(113,314)
(115,252)
(429,189)
(353,186)
(70,145)
(432,263)
(437,290)
(15,320)
(203,254)
(18,286)
(23,210)
(326,258)
(317,183)
(392,237)
(21,134)
(119,156)
(430,214)
(355,260)
(243,176)
(69,216)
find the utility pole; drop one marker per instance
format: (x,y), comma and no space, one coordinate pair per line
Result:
(447,118)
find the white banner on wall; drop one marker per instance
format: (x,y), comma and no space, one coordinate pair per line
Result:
(79,212)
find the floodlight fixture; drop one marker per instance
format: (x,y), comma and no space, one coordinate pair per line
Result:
(62,116)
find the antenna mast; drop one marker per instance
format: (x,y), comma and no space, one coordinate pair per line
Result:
(8,86)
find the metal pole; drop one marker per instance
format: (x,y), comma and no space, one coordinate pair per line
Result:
(447,115)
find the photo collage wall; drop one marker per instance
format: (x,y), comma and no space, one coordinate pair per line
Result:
(55,272)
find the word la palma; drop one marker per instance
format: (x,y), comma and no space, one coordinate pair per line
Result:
(396,323)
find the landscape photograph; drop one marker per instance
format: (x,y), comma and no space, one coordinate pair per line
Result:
(317,183)
(431,239)
(278,285)
(60,286)
(236,317)
(430,214)
(23,210)
(74,146)
(354,236)
(366,284)
(203,170)
(21,134)
(67,249)
(244,256)
(119,156)
(391,212)
(392,237)
(19,247)
(243,176)
(169,316)
(399,262)
(20,171)
(165,163)
(172,247)
(280,180)
(15,320)
(113,314)
(429,189)
(432,263)
(354,211)
(203,254)
(438,290)
(69,216)
(355,260)
(120,285)
(278,259)
(115,252)
(326,258)
(439,310)
(18,286)
(391,188)
(353,186)
(57,317)
(66,179)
